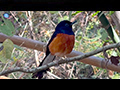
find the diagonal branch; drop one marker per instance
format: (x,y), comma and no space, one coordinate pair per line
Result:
(76,58)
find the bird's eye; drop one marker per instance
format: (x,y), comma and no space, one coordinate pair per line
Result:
(67,25)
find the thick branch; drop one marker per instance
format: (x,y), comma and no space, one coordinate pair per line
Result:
(24,42)
(81,57)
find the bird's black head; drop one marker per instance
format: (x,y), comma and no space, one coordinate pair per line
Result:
(65,27)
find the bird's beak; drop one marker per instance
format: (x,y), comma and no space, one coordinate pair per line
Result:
(73,22)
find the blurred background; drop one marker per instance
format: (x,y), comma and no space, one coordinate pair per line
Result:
(39,25)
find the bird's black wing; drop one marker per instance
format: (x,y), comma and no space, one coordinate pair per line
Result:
(40,74)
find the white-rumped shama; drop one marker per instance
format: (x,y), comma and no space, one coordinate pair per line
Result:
(60,44)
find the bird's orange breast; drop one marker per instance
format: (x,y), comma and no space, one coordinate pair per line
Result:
(62,44)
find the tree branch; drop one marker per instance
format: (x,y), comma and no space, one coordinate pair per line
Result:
(24,42)
(76,58)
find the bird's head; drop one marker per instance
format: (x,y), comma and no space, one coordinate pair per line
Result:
(65,27)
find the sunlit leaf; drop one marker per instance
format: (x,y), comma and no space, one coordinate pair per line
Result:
(116,76)
(111,12)
(95,13)
(114,53)
(53,12)
(6,50)
(76,13)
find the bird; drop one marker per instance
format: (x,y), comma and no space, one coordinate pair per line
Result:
(61,43)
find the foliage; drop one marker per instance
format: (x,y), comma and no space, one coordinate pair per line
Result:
(76,12)
(88,32)
(109,29)
(6,50)
(111,12)
(95,13)
(7,27)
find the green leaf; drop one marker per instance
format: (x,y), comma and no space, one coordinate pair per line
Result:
(114,53)
(15,59)
(76,13)
(95,13)
(6,51)
(116,76)
(111,12)
(53,12)
(104,35)
(18,48)
(7,27)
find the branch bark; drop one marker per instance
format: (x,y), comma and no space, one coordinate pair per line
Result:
(24,42)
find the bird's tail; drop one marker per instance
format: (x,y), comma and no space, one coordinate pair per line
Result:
(45,61)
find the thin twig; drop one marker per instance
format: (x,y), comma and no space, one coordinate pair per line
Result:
(53,75)
(5,66)
(71,71)
(15,18)
(24,30)
(36,58)
(14,75)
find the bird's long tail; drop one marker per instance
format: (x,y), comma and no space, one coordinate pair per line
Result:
(45,61)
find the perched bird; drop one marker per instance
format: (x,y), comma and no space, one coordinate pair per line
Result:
(60,44)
